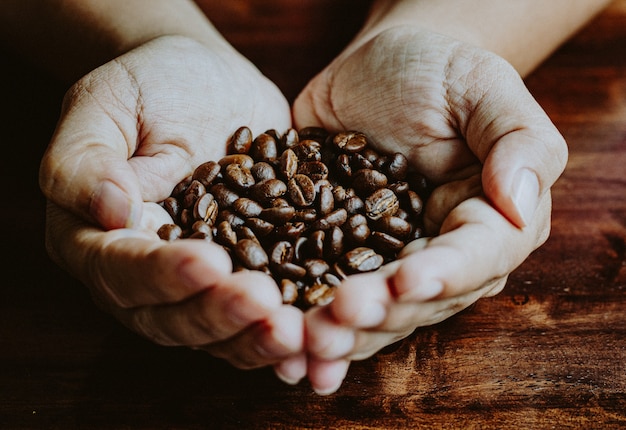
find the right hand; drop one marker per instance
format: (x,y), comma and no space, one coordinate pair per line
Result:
(129,132)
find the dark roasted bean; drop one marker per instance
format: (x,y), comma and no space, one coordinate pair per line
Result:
(278,215)
(193,193)
(170,232)
(289,231)
(225,234)
(343,165)
(289,139)
(264,148)
(290,271)
(330,279)
(357,230)
(266,191)
(315,267)
(240,141)
(289,291)
(382,202)
(399,188)
(230,217)
(245,232)
(334,219)
(363,259)
(308,150)
(366,181)
(172,207)
(350,141)
(251,254)
(333,243)
(225,196)
(316,244)
(181,187)
(206,173)
(319,294)
(396,167)
(202,226)
(238,177)
(326,200)
(315,170)
(415,203)
(386,242)
(281,252)
(354,205)
(318,134)
(260,227)
(288,164)
(201,235)
(306,215)
(301,190)
(247,208)
(206,208)
(262,171)
(358,162)
(394,226)
(244,160)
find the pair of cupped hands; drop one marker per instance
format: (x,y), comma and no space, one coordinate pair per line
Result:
(134,127)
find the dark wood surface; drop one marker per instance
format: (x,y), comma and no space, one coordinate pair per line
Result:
(548,352)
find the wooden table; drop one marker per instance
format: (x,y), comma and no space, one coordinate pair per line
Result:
(548,352)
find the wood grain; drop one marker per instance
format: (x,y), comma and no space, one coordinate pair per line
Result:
(548,352)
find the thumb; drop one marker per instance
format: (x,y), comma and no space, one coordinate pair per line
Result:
(85,168)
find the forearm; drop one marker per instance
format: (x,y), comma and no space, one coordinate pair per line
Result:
(71,37)
(524,32)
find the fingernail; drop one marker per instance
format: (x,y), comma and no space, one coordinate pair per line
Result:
(112,207)
(422,292)
(525,194)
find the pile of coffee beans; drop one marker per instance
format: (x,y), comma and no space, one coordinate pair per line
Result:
(307,207)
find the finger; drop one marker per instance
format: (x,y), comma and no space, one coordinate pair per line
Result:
(220,311)
(476,245)
(522,151)
(273,339)
(128,268)
(293,369)
(327,376)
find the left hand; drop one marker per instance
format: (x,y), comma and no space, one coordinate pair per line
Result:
(463,118)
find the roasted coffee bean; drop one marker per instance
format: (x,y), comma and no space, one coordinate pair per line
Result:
(264,148)
(333,243)
(315,244)
(274,133)
(262,171)
(382,202)
(206,173)
(225,234)
(289,291)
(366,181)
(245,232)
(170,232)
(358,162)
(181,187)
(289,139)
(308,150)
(343,165)
(247,208)
(396,167)
(334,219)
(260,227)
(315,170)
(266,191)
(306,215)
(202,227)
(399,188)
(238,177)
(288,164)
(290,271)
(394,226)
(279,202)
(330,279)
(172,207)
(224,195)
(354,205)
(363,259)
(357,230)
(315,267)
(230,217)
(319,294)
(206,208)
(240,141)
(193,193)
(326,200)
(415,203)
(186,218)
(201,235)
(301,190)
(386,242)
(350,142)
(244,160)
(318,134)
(281,252)
(278,215)
(251,254)
(289,231)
